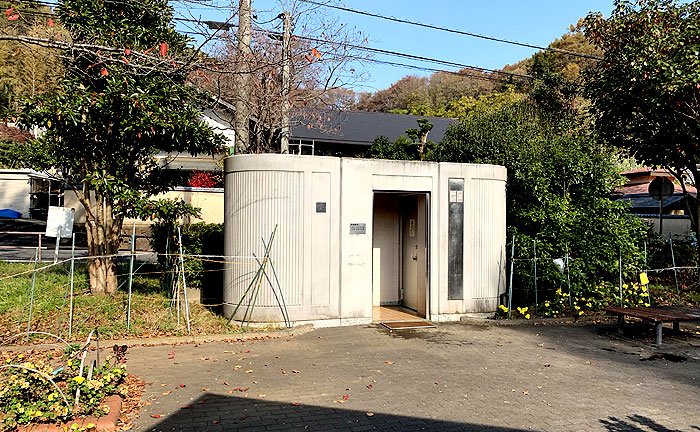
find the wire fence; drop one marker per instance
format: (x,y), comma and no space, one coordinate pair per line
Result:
(176,277)
(681,277)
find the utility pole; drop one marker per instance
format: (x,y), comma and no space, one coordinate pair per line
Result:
(242,115)
(286,80)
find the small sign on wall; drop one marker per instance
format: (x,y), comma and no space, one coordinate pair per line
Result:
(358,228)
(320,207)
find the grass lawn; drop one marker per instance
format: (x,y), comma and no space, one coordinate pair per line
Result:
(151,311)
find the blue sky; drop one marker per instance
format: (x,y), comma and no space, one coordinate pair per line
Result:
(536,23)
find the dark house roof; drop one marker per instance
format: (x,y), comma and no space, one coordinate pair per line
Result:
(359,128)
(636,192)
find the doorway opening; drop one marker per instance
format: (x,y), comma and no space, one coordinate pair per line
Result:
(400,251)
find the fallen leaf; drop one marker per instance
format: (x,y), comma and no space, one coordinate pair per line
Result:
(187,407)
(261,395)
(370,414)
(216,421)
(547,365)
(526,393)
(295,403)
(225,383)
(346,397)
(590,362)
(338,401)
(437,383)
(369,386)
(375,370)
(202,402)
(155,415)
(182,385)
(205,389)
(295,371)
(284,372)
(237,367)
(249,371)
(389,362)
(166,393)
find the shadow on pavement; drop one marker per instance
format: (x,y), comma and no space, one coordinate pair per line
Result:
(214,412)
(636,423)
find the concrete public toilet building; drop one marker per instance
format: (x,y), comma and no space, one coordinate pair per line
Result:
(353,234)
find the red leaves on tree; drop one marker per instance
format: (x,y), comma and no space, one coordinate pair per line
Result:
(104,72)
(202,179)
(202,74)
(9,11)
(316,53)
(309,58)
(127,51)
(14,17)
(50,23)
(163,49)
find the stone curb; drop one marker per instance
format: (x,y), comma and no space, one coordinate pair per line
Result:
(107,423)
(172,340)
(587,319)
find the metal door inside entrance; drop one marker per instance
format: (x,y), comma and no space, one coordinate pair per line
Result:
(400,250)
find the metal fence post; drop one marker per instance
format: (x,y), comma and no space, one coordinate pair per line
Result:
(510,284)
(131,277)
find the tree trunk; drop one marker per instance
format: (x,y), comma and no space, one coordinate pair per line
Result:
(103,241)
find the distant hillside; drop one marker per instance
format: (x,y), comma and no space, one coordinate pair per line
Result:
(441,91)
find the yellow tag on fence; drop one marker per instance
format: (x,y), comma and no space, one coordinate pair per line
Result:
(643,279)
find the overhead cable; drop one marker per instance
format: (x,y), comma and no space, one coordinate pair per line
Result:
(449,30)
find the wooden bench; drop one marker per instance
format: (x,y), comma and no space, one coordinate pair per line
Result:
(657,315)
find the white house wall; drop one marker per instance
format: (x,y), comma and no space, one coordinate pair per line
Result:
(325,270)
(15,189)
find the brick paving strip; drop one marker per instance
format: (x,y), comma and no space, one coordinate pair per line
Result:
(458,376)
(106,423)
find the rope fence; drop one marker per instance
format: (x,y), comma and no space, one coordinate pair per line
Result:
(175,274)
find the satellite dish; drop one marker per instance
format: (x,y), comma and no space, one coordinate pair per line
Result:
(661,188)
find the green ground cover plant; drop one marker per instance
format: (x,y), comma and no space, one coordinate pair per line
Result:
(40,387)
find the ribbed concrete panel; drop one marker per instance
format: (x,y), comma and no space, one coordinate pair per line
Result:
(264,200)
(484,216)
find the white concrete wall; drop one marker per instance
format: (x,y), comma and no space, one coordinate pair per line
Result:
(210,201)
(264,190)
(14,192)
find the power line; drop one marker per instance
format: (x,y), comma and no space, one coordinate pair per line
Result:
(449,30)
(411,57)
(213,25)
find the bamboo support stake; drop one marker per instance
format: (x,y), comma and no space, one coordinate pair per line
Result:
(72,273)
(675,272)
(534,255)
(31,294)
(184,283)
(131,277)
(620,269)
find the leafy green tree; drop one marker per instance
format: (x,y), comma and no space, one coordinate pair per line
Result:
(558,192)
(123,99)
(646,91)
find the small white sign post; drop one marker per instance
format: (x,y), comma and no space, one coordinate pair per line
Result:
(59,224)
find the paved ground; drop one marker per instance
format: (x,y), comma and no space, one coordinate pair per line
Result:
(455,377)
